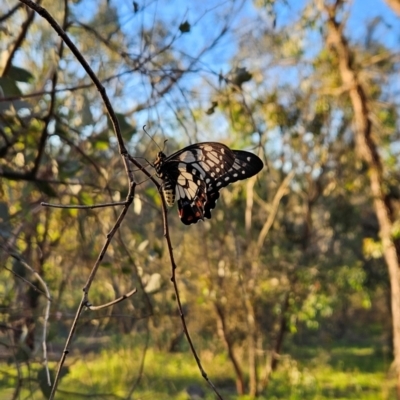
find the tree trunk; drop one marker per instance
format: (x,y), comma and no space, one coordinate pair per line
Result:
(224,334)
(367,149)
(394,5)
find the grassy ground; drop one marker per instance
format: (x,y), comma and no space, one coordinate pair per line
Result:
(345,372)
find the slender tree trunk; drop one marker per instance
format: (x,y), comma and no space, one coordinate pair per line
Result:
(394,5)
(252,344)
(368,152)
(224,334)
(272,363)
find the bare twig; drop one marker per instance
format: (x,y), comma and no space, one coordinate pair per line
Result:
(82,207)
(10,13)
(122,150)
(85,302)
(178,299)
(111,303)
(18,43)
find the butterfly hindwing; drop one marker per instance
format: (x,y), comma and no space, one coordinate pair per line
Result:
(194,175)
(245,166)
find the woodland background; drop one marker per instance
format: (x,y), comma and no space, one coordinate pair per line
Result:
(292,289)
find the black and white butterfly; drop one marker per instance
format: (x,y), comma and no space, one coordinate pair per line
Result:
(194,176)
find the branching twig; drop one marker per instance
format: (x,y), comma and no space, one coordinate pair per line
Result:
(178,299)
(18,43)
(111,303)
(85,302)
(122,150)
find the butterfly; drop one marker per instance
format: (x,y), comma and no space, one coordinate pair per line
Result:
(195,174)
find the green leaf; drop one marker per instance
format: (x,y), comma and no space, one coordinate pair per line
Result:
(8,87)
(184,27)
(19,74)
(86,199)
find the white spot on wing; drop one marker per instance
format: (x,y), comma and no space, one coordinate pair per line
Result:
(187,157)
(180,192)
(181,180)
(213,156)
(210,163)
(200,169)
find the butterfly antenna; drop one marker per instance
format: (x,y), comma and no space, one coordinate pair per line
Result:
(144,128)
(165,141)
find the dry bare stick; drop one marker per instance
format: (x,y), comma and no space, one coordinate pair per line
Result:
(124,154)
(178,299)
(111,303)
(18,43)
(47,312)
(84,302)
(81,207)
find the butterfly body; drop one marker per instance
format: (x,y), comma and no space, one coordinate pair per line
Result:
(194,175)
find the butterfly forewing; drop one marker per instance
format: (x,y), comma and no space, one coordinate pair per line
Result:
(194,175)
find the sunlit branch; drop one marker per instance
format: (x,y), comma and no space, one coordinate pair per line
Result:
(113,302)
(118,203)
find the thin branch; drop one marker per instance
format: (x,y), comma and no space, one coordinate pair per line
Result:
(10,13)
(46,15)
(18,43)
(84,301)
(178,299)
(113,302)
(118,203)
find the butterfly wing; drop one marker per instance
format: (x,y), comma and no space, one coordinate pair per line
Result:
(245,166)
(194,175)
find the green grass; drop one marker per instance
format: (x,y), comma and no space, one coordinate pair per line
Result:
(345,372)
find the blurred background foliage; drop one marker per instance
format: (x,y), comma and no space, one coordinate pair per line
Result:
(285,290)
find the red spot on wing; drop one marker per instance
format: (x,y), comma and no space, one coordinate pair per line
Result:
(192,211)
